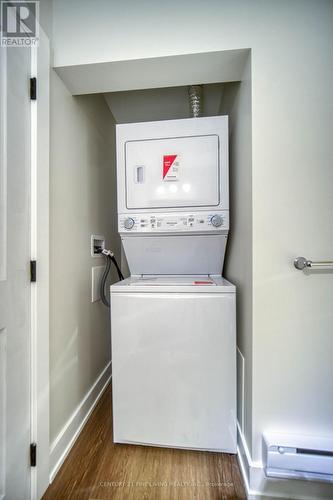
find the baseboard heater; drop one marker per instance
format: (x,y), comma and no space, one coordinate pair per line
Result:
(298,457)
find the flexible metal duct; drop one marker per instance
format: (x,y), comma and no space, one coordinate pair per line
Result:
(195,96)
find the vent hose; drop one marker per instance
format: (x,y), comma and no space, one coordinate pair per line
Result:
(195,98)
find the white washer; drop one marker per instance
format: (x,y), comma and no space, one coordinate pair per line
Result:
(174,362)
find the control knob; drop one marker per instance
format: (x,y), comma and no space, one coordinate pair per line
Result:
(129,223)
(216,220)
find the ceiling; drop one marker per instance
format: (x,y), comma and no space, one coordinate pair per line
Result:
(154,72)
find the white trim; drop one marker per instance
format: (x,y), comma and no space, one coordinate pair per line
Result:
(66,438)
(243,443)
(246,465)
(3,163)
(3,243)
(33,288)
(245,461)
(39,343)
(243,473)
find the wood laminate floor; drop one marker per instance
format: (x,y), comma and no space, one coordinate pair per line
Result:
(98,469)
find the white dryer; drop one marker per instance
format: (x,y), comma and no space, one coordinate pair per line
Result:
(173,321)
(172,189)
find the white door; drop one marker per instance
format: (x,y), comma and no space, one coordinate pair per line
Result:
(14,274)
(174,369)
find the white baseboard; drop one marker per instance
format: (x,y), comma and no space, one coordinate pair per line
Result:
(258,486)
(246,464)
(63,443)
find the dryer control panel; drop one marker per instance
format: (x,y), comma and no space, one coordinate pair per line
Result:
(174,222)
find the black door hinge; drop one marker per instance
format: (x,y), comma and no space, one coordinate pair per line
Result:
(33,88)
(33,455)
(33,271)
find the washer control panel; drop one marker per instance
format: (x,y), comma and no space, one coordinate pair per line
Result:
(174,222)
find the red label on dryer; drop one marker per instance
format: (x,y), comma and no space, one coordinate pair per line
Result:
(170,167)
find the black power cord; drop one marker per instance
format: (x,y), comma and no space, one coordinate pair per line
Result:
(110,259)
(120,274)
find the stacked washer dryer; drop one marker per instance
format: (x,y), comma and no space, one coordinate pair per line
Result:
(173,321)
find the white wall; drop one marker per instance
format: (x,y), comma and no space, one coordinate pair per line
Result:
(128,29)
(292,209)
(236,104)
(82,202)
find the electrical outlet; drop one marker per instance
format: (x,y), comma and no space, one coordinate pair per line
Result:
(96,276)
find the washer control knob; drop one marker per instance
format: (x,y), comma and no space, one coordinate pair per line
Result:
(129,223)
(216,220)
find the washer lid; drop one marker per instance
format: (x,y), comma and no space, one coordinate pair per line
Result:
(174,283)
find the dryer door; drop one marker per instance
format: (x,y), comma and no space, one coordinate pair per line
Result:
(172,172)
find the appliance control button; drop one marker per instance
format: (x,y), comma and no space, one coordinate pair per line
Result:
(216,220)
(129,223)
